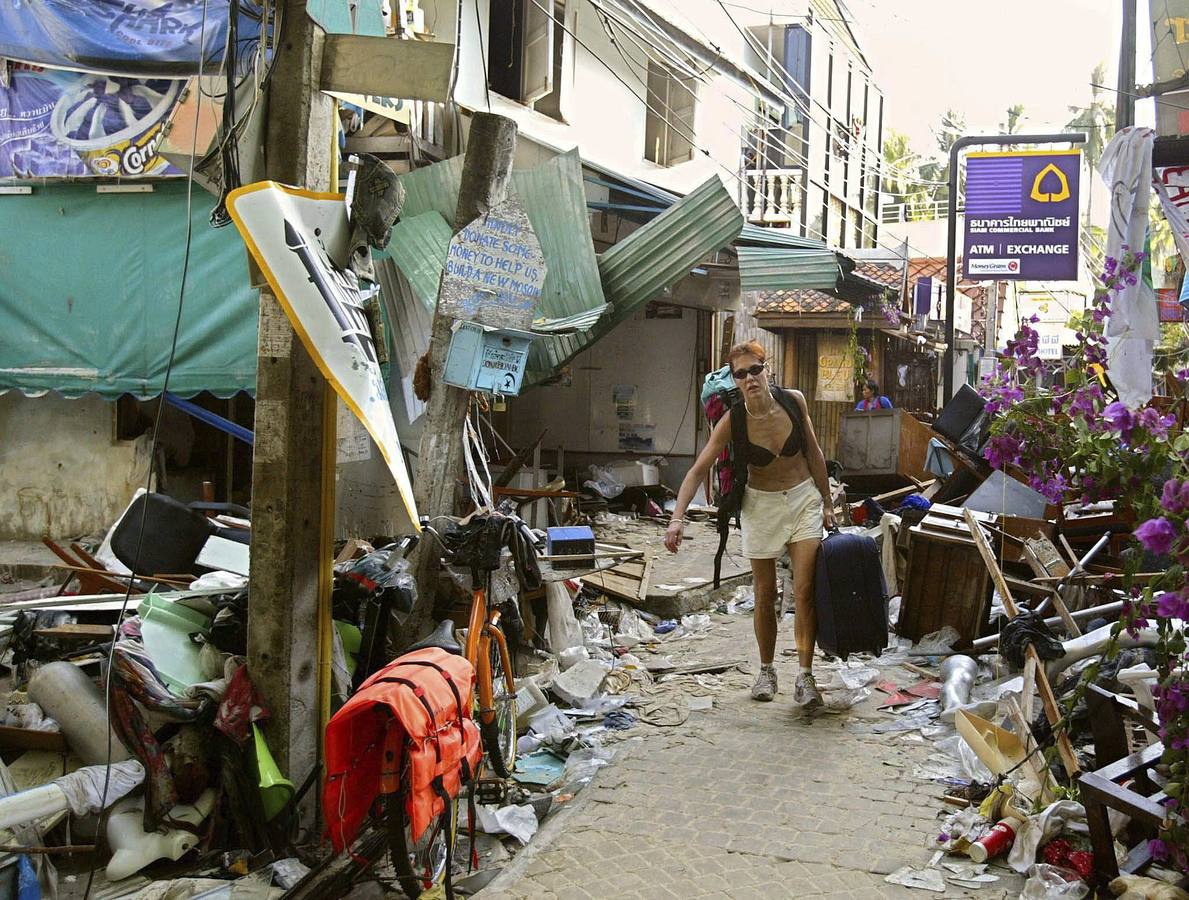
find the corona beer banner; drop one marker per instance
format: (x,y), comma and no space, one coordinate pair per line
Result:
(57,124)
(1022,215)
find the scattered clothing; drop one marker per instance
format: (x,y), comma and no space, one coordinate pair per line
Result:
(1028,628)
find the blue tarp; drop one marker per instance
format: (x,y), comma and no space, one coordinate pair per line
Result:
(147,38)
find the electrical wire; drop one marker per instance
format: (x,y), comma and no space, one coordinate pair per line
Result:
(483,57)
(154,443)
(657,40)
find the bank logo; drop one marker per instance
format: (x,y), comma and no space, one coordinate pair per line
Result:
(1042,196)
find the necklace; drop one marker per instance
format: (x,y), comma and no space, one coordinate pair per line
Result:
(765,415)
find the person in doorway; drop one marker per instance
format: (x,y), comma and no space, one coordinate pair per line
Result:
(785,504)
(872,398)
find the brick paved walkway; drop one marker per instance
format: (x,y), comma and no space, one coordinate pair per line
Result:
(745,800)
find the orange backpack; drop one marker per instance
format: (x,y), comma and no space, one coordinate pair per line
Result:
(417,708)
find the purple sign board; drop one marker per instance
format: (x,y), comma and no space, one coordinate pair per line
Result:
(1022,216)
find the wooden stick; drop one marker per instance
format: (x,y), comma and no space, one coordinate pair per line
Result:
(1064,747)
(625,556)
(912,667)
(48,851)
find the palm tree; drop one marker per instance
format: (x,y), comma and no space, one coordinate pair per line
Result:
(901,170)
(1015,117)
(937,170)
(1097,121)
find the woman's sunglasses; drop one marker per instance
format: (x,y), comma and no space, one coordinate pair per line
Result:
(741,374)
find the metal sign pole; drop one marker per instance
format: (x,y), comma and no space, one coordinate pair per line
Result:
(951,267)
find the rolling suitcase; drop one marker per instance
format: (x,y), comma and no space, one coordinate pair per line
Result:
(852,603)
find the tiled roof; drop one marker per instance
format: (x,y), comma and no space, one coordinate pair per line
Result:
(802,301)
(890,275)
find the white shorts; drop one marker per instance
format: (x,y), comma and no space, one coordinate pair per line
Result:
(770,520)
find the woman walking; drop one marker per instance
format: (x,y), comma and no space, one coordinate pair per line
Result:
(785,505)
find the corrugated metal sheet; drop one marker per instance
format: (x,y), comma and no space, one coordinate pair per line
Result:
(418,246)
(555,200)
(759,236)
(409,321)
(769,269)
(651,258)
(433,188)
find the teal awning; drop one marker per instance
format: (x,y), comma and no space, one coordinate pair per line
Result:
(89,295)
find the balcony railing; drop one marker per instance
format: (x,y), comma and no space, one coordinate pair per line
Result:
(773,196)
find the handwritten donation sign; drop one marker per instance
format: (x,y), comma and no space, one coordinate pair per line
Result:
(494,270)
(1022,215)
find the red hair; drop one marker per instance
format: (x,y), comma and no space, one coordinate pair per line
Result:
(747,348)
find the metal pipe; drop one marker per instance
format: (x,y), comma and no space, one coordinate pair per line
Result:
(951,261)
(1107,609)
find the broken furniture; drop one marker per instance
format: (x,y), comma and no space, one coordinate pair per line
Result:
(93,577)
(1103,789)
(945,582)
(160,534)
(883,444)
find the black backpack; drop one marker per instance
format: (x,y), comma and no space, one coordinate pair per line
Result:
(732,504)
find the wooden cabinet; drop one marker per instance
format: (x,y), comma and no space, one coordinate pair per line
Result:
(883,442)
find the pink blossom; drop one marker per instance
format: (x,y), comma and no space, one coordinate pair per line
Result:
(1156,535)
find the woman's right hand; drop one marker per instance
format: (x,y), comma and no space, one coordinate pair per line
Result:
(673,535)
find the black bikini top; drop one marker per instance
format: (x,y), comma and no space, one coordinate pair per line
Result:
(795,443)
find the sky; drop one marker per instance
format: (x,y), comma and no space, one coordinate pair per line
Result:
(979,58)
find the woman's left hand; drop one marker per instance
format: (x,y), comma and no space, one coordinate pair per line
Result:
(828,518)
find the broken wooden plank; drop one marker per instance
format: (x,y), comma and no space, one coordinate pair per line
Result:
(1044,558)
(1064,747)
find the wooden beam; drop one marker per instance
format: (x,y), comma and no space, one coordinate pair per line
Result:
(387,67)
(1052,713)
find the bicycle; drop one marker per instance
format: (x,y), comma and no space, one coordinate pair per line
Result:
(423,864)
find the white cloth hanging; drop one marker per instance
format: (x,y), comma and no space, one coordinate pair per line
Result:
(1134,325)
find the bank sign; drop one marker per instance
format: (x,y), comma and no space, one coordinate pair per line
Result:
(1022,216)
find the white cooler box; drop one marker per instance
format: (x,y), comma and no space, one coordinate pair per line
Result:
(634,473)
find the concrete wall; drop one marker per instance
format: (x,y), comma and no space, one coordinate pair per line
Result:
(659,358)
(62,473)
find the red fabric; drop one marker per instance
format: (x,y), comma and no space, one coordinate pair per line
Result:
(241,706)
(435,739)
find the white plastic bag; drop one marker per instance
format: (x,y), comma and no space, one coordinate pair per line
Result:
(564,631)
(604,483)
(1047,882)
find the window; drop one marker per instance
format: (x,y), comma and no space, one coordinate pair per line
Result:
(524,49)
(669,123)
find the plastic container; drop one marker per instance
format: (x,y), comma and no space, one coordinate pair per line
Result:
(72,699)
(634,473)
(165,628)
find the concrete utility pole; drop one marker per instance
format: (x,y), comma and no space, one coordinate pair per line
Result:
(1125,98)
(486,171)
(290,544)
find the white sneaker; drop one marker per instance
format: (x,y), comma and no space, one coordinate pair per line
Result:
(805,692)
(764,689)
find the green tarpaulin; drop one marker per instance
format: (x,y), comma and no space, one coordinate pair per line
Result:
(89,295)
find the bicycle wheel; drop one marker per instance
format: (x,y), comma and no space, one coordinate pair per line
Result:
(420,865)
(499,735)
